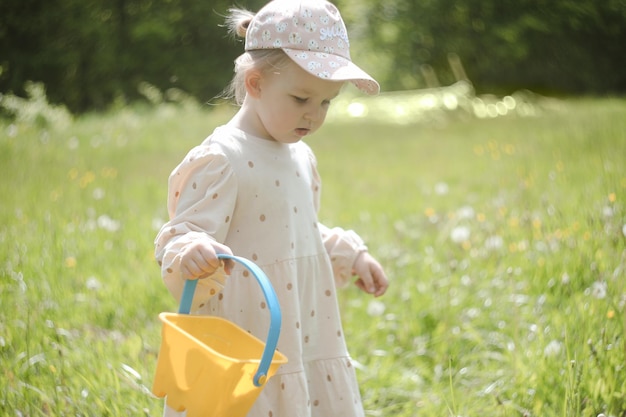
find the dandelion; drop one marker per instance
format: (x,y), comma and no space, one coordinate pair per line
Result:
(466,212)
(460,234)
(87,178)
(432,215)
(553,349)
(466,280)
(375,308)
(98,194)
(70,262)
(598,290)
(536,223)
(607,211)
(93,284)
(494,242)
(441,188)
(624,230)
(107,223)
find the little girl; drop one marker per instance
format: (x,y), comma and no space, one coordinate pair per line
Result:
(252,189)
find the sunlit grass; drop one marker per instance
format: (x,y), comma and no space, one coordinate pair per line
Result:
(504,239)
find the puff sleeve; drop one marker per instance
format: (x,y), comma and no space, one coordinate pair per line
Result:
(202,193)
(342,246)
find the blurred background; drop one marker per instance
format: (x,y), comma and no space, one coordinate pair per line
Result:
(94,54)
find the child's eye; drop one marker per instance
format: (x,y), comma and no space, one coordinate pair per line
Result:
(300,100)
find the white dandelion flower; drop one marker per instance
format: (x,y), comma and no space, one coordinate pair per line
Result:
(494,242)
(598,289)
(441,188)
(553,349)
(107,223)
(93,284)
(466,212)
(460,234)
(375,308)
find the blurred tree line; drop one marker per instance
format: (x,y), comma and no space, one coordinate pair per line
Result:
(92,53)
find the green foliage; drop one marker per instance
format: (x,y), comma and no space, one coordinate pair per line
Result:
(504,239)
(560,46)
(90,54)
(35,109)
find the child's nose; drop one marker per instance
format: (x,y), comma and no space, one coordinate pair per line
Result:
(314,115)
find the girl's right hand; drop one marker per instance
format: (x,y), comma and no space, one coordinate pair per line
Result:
(199,259)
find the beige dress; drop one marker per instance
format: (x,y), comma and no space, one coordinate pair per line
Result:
(260,198)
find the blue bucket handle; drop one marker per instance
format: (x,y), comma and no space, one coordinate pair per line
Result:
(272,304)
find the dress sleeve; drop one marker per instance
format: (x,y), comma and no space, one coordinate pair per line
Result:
(343,246)
(201,198)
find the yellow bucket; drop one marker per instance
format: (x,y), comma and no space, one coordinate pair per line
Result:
(210,366)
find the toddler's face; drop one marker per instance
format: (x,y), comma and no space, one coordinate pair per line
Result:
(293,103)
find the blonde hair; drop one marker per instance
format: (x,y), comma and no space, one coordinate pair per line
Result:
(263,60)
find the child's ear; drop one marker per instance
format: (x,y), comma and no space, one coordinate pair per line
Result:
(252,81)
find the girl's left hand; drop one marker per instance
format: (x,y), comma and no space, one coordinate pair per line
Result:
(372,278)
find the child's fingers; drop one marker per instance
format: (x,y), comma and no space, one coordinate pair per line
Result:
(191,270)
(228,264)
(361,285)
(366,283)
(381,282)
(372,279)
(199,261)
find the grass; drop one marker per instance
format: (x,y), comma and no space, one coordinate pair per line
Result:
(504,239)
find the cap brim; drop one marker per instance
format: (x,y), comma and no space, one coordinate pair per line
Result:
(333,68)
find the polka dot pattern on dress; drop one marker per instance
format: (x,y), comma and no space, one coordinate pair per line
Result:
(280,184)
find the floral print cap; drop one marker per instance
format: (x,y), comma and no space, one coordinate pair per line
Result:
(313,35)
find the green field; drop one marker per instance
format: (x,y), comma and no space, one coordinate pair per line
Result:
(504,239)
